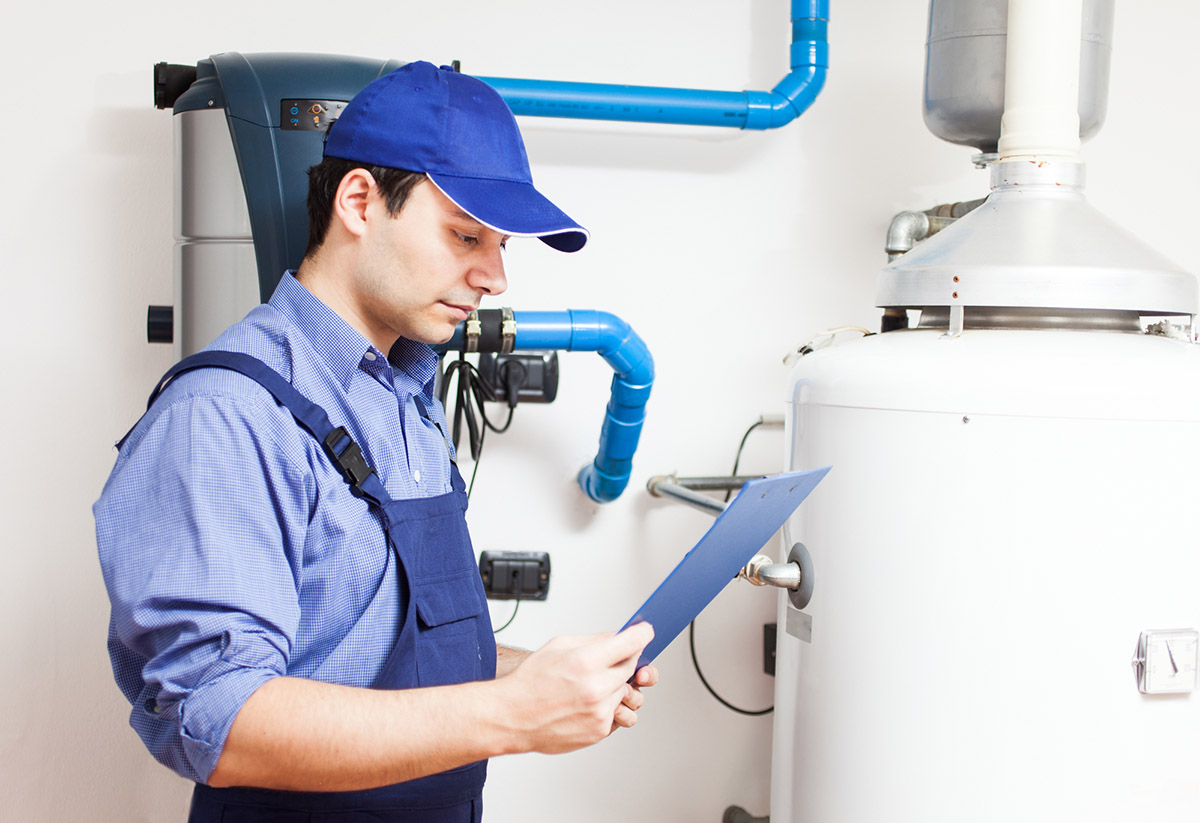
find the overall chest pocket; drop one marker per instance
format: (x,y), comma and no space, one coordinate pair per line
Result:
(450,629)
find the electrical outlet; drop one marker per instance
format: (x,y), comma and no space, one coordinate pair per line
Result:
(515,575)
(533,374)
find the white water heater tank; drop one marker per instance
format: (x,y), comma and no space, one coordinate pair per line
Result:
(1009,514)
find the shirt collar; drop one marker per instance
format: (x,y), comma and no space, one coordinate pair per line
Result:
(418,360)
(338,343)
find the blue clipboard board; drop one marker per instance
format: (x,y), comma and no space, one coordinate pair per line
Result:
(739,533)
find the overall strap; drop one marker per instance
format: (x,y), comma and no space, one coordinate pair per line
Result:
(337,443)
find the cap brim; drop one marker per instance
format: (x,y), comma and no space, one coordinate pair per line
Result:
(513,208)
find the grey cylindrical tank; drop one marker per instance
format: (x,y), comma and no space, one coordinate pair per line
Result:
(964,69)
(217,275)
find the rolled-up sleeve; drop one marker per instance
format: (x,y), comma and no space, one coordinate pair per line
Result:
(200,530)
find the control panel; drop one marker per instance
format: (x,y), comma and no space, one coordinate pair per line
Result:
(309,115)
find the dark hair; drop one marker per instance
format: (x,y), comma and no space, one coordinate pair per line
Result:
(324,179)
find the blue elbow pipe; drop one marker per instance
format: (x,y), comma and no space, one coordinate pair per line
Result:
(606,476)
(790,98)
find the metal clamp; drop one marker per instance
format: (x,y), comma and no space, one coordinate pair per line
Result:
(508,330)
(474,329)
(473,334)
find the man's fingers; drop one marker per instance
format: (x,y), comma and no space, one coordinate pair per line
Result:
(616,655)
(624,717)
(628,644)
(633,698)
(608,649)
(646,676)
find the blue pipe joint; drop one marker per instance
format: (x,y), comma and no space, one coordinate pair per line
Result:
(793,95)
(787,101)
(810,9)
(816,10)
(810,34)
(607,475)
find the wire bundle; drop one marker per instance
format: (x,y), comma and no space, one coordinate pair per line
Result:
(471,392)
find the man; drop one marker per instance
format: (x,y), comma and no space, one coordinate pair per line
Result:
(297,620)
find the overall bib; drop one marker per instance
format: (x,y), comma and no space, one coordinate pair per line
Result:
(445,637)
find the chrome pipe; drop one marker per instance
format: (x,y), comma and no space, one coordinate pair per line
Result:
(715,484)
(763,571)
(663,486)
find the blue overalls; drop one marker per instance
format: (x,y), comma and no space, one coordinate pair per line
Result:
(433,550)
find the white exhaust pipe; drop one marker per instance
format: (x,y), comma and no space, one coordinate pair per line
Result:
(1041,81)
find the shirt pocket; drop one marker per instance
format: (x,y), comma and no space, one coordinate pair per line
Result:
(450,629)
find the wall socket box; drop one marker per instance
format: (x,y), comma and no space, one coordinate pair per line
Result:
(515,575)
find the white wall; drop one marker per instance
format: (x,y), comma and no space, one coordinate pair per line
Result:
(721,248)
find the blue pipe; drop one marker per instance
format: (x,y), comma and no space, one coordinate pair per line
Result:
(604,478)
(790,98)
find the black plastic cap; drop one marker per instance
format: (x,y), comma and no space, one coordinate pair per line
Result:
(160,324)
(170,81)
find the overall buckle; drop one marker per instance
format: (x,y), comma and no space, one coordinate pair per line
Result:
(349,461)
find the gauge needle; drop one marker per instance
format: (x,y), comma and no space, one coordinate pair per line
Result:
(1171,657)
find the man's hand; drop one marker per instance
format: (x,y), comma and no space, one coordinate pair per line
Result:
(573,691)
(626,715)
(305,735)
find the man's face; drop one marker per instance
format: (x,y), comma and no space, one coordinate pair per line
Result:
(423,270)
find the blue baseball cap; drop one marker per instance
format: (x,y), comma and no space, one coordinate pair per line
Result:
(458,131)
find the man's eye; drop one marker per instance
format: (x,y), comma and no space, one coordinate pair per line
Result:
(466,239)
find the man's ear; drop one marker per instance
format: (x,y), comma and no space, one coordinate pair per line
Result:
(350,200)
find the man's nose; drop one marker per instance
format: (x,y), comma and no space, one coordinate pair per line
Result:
(488,273)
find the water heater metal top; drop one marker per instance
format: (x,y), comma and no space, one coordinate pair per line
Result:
(1037,243)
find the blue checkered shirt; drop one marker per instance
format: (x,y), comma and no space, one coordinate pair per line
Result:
(232,549)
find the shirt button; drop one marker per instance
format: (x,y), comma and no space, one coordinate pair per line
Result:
(370,356)
(417,476)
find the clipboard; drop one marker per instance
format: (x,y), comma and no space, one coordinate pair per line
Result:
(759,510)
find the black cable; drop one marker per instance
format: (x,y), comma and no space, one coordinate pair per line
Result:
(512,387)
(692,626)
(721,700)
(738,458)
(474,471)
(511,618)
(471,392)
